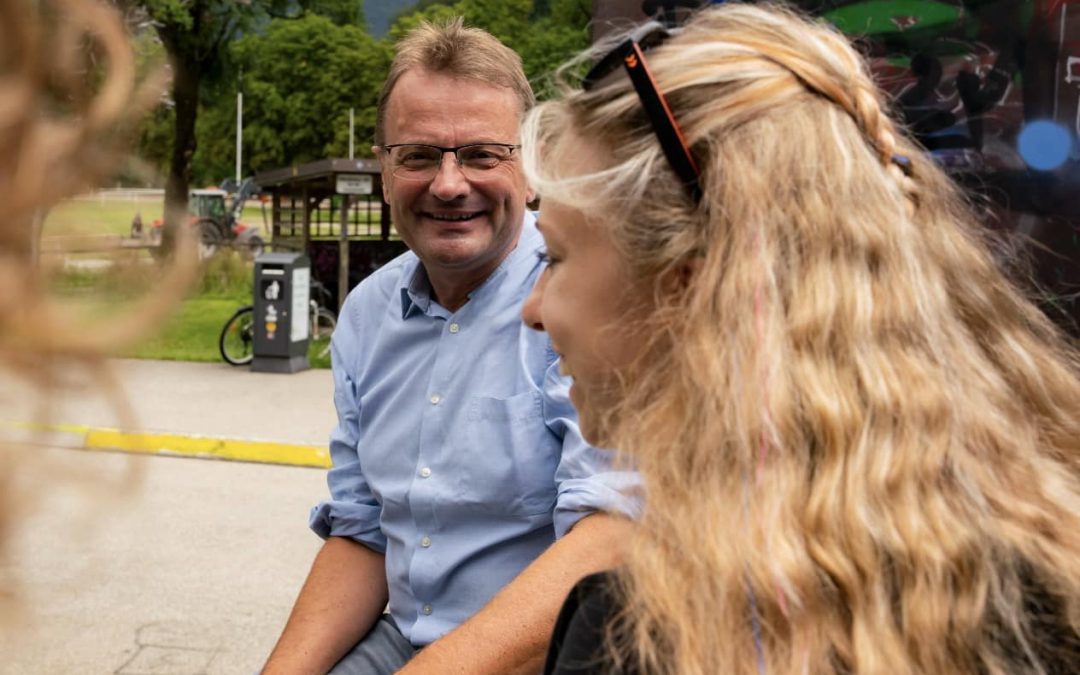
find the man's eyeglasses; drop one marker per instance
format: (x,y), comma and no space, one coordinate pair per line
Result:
(630,54)
(416,161)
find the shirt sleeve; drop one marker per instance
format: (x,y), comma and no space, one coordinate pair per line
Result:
(352,510)
(587,478)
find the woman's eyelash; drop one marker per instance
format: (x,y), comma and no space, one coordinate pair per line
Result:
(546,258)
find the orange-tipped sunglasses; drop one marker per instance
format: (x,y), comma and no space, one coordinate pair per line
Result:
(630,54)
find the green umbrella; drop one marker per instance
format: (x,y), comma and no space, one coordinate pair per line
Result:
(893,17)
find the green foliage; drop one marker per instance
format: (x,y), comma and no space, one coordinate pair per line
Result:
(169,12)
(300,75)
(299,78)
(102,290)
(507,20)
(434,13)
(155,133)
(548,48)
(156,138)
(228,275)
(544,32)
(571,13)
(341,12)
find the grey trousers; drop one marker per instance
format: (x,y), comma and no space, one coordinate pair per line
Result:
(383,651)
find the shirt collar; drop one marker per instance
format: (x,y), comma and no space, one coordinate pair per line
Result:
(416,287)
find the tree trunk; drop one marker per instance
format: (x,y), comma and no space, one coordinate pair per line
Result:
(186,77)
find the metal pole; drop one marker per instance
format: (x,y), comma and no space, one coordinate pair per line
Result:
(343,253)
(239,132)
(352,127)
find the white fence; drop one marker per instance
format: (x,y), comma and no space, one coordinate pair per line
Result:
(124,195)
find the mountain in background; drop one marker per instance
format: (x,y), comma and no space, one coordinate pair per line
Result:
(380,13)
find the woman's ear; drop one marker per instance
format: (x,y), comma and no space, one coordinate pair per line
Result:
(680,276)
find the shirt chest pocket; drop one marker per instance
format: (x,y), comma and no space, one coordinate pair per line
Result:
(509,463)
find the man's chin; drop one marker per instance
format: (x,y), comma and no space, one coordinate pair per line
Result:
(456,251)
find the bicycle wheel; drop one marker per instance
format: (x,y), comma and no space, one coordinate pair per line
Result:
(323,323)
(237,337)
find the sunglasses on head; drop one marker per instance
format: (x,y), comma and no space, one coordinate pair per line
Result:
(630,54)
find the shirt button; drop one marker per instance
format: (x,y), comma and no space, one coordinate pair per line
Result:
(425,541)
(435,398)
(426,609)
(425,472)
(454,328)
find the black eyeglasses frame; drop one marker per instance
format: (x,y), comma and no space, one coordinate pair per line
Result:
(511,147)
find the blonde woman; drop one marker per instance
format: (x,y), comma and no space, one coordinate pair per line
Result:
(69,100)
(860,444)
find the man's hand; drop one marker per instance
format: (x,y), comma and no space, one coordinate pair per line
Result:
(341,600)
(511,633)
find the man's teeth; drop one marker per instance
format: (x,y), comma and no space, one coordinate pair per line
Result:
(454,217)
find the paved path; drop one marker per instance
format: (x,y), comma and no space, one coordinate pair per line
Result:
(160,565)
(208,409)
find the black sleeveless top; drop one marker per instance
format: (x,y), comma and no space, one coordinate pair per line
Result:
(577,645)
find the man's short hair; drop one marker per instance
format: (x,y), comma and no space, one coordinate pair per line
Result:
(454,49)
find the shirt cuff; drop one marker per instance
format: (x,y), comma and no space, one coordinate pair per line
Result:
(359,522)
(617,492)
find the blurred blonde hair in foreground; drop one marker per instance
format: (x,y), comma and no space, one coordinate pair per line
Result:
(69,100)
(860,443)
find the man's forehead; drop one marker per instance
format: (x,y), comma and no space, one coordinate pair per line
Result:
(426,104)
(420,85)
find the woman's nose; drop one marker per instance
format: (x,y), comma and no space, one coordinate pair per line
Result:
(530,311)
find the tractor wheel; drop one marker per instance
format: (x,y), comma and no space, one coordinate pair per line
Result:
(209,238)
(255,246)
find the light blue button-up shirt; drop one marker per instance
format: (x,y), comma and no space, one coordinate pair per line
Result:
(457,452)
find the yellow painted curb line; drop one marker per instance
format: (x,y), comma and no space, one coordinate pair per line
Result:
(217,448)
(35,426)
(267,452)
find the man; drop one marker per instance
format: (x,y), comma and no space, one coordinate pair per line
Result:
(461,491)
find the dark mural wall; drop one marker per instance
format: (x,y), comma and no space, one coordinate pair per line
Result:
(991,88)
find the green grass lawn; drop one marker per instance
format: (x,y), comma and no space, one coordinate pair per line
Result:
(192,333)
(92,216)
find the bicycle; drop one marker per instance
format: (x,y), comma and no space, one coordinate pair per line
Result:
(238,335)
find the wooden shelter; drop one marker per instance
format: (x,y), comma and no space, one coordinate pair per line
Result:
(332,209)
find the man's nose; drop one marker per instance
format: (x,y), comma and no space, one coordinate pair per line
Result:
(530,311)
(449,182)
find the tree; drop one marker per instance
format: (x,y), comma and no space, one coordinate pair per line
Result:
(553,38)
(156,128)
(195,34)
(300,78)
(545,32)
(340,12)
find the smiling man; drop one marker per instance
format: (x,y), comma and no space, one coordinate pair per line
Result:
(462,493)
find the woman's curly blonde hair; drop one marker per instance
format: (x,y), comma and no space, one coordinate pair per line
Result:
(69,101)
(860,443)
